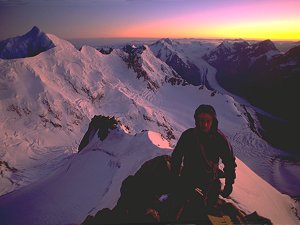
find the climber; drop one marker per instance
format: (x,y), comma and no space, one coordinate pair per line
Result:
(199,150)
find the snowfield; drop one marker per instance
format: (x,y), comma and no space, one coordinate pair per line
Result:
(47,102)
(91,180)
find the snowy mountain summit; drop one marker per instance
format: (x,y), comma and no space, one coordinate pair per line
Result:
(53,100)
(28,45)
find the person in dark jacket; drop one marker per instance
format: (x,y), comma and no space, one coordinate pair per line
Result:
(199,150)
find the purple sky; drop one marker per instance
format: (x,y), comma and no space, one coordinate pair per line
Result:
(259,19)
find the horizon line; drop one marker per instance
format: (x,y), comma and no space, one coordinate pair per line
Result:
(203,38)
(165,37)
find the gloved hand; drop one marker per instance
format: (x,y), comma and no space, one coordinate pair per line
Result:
(226,191)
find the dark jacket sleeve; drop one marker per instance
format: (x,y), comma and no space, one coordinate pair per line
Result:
(228,159)
(177,155)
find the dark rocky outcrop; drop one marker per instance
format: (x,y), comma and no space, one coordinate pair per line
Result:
(100,124)
(4,166)
(105,50)
(135,61)
(131,49)
(150,197)
(140,194)
(28,45)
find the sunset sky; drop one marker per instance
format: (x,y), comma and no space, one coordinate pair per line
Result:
(248,19)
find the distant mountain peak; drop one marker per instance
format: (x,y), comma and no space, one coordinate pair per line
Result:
(233,44)
(167,40)
(34,32)
(132,49)
(241,49)
(164,41)
(30,44)
(34,29)
(294,52)
(262,48)
(266,45)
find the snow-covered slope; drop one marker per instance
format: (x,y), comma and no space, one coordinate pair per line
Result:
(91,180)
(30,44)
(88,181)
(48,100)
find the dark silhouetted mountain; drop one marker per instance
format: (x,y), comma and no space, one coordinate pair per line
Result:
(167,51)
(30,44)
(261,48)
(241,65)
(293,54)
(227,49)
(264,76)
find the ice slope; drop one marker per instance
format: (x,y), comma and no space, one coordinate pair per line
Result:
(91,180)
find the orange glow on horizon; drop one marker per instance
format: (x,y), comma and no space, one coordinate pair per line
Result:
(253,30)
(281,22)
(215,19)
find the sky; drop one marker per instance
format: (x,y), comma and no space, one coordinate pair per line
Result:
(247,19)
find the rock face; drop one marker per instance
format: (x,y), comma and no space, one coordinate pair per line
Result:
(166,50)
(135,61)
(142,60)
(101,125)
(150,197)
(105,51)
(28,45)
